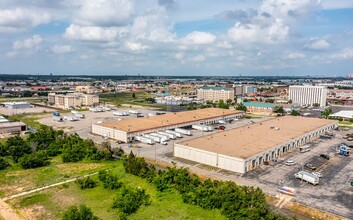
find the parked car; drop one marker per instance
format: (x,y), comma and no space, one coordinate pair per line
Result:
(318,174)
(310,166)
(290,163)
(325,156)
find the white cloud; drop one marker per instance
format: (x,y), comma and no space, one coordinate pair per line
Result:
(20,19)
(344,54)
(59,49)
(135,46)
(199,38)
(198,58)
(295,55)
(30,43)
(317,44)
(94,33)
(105,13)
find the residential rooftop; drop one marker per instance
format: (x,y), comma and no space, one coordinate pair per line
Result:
(250,140)
(169,119)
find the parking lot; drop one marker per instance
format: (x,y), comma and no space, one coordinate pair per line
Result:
(35,109)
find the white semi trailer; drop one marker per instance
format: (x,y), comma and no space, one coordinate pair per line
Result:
(164,137)
(202,127)
(144,140)
(308,177)
(183,131)
(171,136)
(173,132)
(121,113)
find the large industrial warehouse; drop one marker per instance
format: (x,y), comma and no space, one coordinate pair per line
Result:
(125,130)
(245,148)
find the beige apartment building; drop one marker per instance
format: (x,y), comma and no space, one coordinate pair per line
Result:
(215,93)
(72,100)
(85,89)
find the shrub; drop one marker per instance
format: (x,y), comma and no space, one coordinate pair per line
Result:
(34,160)
(3,164)
(80,213)
(86,183)
(129,200)
(109,180)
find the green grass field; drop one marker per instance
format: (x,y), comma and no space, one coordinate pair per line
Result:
(126,98)
(51,203)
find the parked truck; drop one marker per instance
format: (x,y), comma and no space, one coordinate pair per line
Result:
(79,115)
(325,137)
(171,136)
(200,127)
(135,112)
(164,137)
(173,132)
(156,139)
(183,131)
(308,177)
(144,140)
(343,149)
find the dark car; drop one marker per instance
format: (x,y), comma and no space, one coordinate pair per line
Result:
(310,166)
(325,156)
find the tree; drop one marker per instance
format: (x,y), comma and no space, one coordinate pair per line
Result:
(3,163)
(151,100)
(241,107)
(294,113)
(326,112)
(316,105)
(34,160)
(129,199)
(221,104)
(229,101)
(81,213)
(109,180)
(133,95)
(17,147)
(279,110)
(270,100)
(290,101)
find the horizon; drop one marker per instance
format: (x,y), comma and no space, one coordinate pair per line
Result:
(177,38)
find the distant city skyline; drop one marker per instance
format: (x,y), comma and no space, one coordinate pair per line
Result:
(170,37)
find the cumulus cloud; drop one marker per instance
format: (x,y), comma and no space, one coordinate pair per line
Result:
(94,33)
(199,38)
(344,54)
(295,55)
(135,46)
(59,49)
(29,43)
(244,16)
(105,13)
(21,19)
(317,44)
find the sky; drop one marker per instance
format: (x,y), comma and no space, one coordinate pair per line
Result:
(177,37)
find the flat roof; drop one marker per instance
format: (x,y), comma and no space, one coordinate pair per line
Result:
(246,141)
(11,124)
(160,121)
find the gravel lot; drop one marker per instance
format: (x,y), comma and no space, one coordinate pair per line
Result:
(35,109)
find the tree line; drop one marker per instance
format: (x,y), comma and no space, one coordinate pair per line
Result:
(234,201)
(37,149)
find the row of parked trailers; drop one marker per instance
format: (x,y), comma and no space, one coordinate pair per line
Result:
(162,136)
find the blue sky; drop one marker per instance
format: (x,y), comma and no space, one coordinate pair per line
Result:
(171,37)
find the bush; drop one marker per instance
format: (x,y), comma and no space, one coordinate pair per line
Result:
(109,180)
(86,183)
(136,165)
(17,147)
(81,213)
(3,164)
(34,160)
(129,200)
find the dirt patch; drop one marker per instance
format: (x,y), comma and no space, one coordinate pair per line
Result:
(312,212)
(73,168)
(33,212)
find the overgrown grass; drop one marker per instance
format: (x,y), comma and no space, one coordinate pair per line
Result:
(127,98)
(14,179)
(166,205)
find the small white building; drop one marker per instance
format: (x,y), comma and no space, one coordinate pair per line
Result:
(17,105)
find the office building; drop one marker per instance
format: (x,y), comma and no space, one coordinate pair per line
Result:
(72,100)
(215,93)
(308,95)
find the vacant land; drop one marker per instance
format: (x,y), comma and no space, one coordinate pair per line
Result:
(132,98)
(51,203)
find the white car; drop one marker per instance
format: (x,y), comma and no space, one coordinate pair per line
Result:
(317,174)
(290,163)
(164,143)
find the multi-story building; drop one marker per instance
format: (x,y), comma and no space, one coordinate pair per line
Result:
(86,89)
(238,90)
(308,95)
(249,89)
(215,93)
(72,100)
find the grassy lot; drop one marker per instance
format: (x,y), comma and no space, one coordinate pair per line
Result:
(14,179)
(127,98)
(29,119)
(51,203)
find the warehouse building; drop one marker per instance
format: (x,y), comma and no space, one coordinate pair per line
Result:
(12,127)
(125,130)
(245,148)
(17,105)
